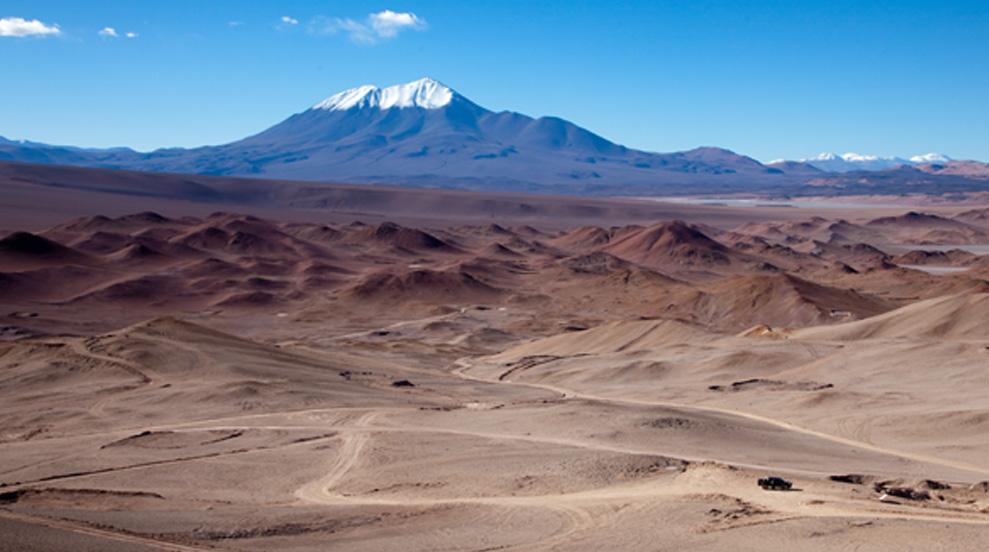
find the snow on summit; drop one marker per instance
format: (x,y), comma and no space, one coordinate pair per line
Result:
(857,162)
(859,158)
(425,93)
(850,157)
(930,158)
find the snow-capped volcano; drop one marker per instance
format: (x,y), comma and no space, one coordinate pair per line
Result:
(425,93)
(850,161)
(424,133)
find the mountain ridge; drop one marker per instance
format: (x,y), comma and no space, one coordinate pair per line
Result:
(850,162)
(425,134)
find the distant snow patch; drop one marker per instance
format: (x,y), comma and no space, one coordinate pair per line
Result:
(930,158)
(857,162)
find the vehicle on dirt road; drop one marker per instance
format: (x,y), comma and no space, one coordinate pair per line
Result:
(774,483)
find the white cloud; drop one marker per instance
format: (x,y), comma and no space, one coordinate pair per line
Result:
(16,26)
(234,23)
(376,27)
(131,34)
(388,24)
(289,20)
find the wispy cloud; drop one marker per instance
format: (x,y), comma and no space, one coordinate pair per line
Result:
(289,20)
(234,23)
(378,26)
(110,32)
(19,27)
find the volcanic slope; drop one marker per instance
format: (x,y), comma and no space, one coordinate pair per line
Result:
(238,383)
(233,443)
(909,379)
(93,272)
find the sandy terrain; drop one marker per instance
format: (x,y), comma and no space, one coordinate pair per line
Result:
(194,381)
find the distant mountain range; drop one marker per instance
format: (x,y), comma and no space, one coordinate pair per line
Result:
(848,162)
(424,133)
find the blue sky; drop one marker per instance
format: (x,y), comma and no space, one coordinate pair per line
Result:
(769,79)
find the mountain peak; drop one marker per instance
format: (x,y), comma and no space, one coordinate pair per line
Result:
(424,93)
(846,162)
(850,157)
(859,158)
(930,158)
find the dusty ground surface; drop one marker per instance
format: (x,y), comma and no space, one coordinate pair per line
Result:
(227,382)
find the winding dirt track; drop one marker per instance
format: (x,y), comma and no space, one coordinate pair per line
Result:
(347,457)
(580,512)
(578,507)
(463,365)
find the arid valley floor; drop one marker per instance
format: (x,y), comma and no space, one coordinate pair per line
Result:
(180,380)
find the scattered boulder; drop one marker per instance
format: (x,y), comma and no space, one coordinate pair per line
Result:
(933,485)
(850,478)
(9,497)
(889,488)
(402,383)
(885,498)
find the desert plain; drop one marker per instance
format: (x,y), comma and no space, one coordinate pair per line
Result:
(357,369)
